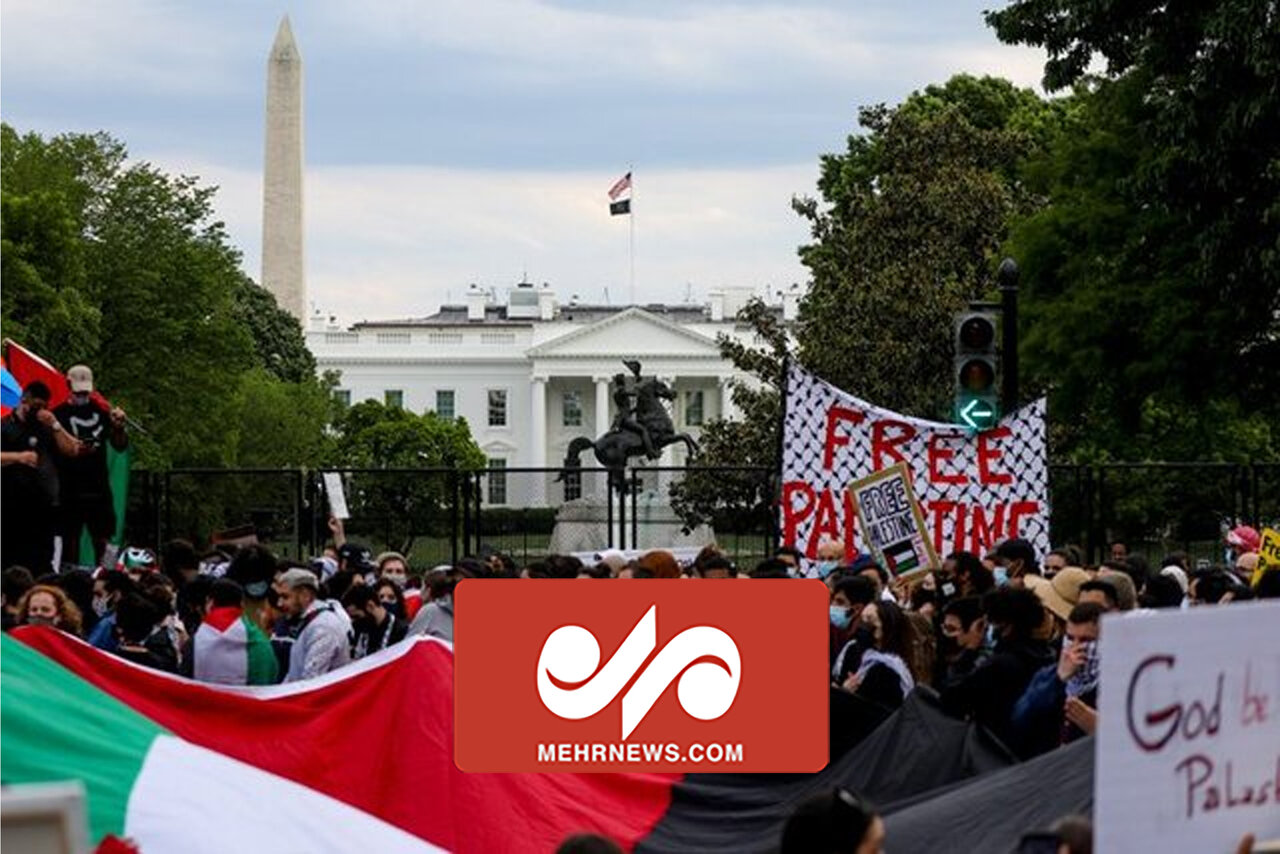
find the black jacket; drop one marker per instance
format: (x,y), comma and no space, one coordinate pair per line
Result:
(988,694)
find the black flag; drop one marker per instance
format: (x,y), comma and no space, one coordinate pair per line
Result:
(622,207)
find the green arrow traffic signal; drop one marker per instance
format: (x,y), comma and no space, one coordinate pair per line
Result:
(978,413)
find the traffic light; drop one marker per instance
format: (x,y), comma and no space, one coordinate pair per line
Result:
(976,372)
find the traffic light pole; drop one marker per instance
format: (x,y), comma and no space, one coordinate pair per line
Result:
(1008,276)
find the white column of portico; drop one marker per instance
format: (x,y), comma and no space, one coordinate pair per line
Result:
(668,453)
(602,405)
(726,397)
(538,440)
(603,423)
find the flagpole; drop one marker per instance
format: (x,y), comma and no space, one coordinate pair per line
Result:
(631,172)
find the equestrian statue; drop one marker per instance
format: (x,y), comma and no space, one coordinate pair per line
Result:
(642,427)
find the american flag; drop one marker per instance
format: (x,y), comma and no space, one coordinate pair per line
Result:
(620,186)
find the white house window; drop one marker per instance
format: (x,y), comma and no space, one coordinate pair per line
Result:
(572,485)
(497,480)
(572,410)
(693,409)
(445,403)
(342,396)
(497,407)
(393,397)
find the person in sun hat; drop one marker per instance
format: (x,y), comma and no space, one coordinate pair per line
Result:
(1059,594)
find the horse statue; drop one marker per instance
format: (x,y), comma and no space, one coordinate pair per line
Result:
(642,428)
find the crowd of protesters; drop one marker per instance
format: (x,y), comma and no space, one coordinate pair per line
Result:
(1007,639)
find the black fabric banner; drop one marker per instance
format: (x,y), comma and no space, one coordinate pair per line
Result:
(941,783)
(622,207)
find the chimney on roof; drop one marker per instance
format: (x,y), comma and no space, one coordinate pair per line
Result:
(546,302)
(476,301)
(716,299)
(791,303)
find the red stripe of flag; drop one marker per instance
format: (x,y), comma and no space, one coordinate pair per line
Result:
(621,186)
(378,735)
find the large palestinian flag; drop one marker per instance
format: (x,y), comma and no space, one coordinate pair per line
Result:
(361,759)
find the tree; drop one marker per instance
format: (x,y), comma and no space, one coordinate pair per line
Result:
(915,211)
(118,265)
(740,500)
(278,341)
(399,506)
(1154,270)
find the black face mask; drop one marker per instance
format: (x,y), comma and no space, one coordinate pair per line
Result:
(865,636)
(395,609)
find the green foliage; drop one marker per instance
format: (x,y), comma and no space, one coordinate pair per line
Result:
(912,216)
(395,506)
(118,265)
(739,501)
(278,342)
(1152,276)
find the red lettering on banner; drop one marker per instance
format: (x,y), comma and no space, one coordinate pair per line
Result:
(988,454)
(826,523)
(1017,510)
(793,516)
(941,510)
(962,510)
(836,439)
(937,456)
(850,529)
(884,445)
(983,535)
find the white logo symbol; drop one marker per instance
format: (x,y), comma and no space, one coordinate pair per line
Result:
(706,689)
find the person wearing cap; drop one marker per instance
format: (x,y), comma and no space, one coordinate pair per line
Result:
(321,644)
(85,484)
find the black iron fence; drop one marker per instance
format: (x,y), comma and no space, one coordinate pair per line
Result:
(439,515)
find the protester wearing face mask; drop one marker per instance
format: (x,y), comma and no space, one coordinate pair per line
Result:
(373,625)
(830,553)
(46,605)
(883,676)
(964,631)
(393,567)
(988,694)
(1060,703)
(85,489)
(852,594)
(109,587)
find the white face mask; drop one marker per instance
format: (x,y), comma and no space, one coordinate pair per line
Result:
(101,606)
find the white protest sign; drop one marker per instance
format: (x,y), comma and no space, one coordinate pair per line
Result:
(1188,750)
(337,498)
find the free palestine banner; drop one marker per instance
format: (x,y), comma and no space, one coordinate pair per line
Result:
(975,489)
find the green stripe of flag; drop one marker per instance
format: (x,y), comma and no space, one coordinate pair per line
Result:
(118,464)
(59,727)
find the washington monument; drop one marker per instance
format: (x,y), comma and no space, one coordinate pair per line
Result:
(282,260)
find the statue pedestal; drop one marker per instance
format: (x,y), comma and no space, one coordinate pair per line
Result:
(582,526)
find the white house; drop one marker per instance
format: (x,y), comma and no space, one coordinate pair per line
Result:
(532,374)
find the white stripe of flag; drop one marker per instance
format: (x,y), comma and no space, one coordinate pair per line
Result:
(621,186)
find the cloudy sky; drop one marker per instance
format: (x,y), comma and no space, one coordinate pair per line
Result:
(459,141)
